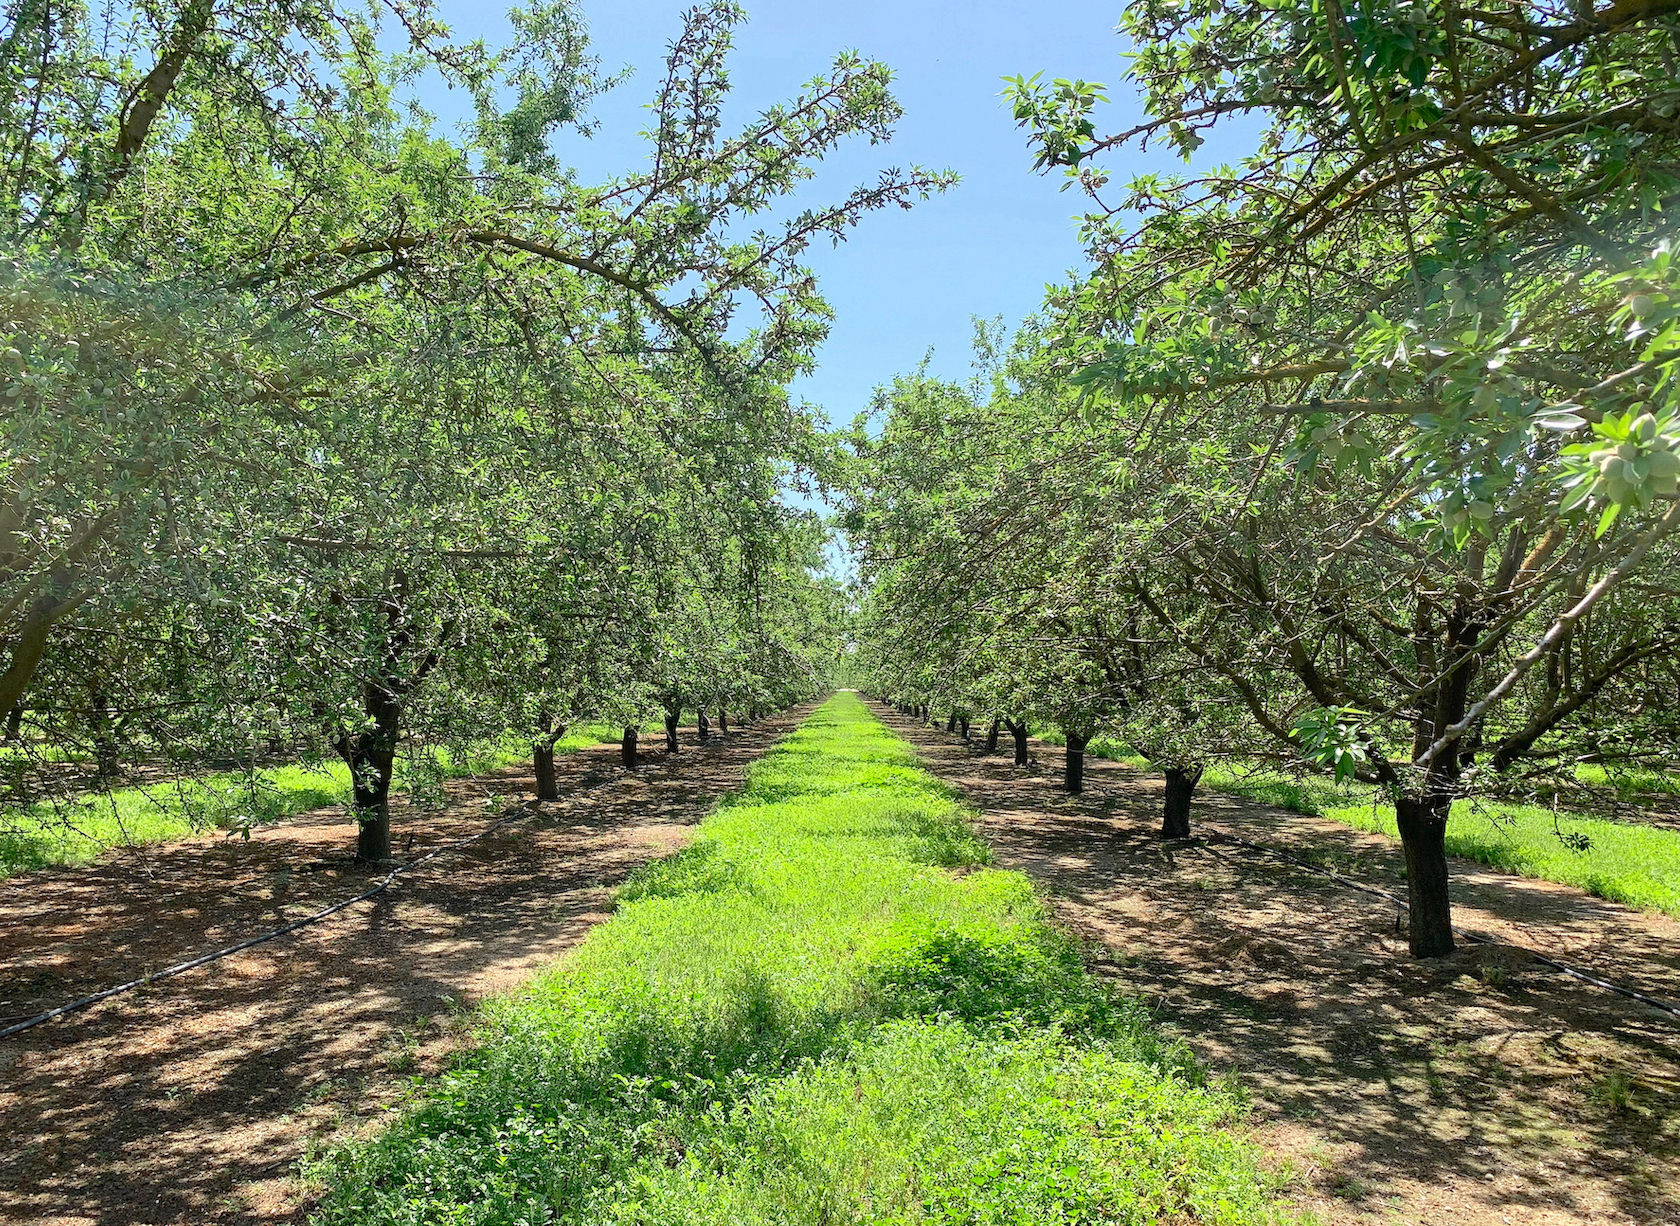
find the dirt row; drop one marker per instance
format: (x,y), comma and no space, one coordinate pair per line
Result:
(192,1100)
(1480,1088)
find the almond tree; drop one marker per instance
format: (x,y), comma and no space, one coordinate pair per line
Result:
(1403,381)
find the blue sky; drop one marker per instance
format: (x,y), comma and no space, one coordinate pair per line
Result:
(906,282)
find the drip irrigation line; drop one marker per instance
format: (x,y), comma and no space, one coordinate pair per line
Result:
(1478,938)
(521,810)
(1563,968)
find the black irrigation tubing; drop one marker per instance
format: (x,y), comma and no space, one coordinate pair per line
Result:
(523,809)
(1563,968)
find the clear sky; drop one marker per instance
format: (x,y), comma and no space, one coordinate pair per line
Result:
(906,282)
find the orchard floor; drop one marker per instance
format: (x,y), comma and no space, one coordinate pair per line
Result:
(1479,1089)
(192,1100)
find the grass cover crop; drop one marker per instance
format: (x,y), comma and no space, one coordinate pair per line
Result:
(1622,861)
(48,834)
(809,1017)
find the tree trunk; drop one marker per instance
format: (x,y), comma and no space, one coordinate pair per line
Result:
(14,723)
(1073,779)
(1019,732)
(104,735)
(705,728)
(1181,789)
(1423,835)
(962,727)
(951,723)
(370,756)
(992,735)
(672,745)
(542,759)
(373,816)
(627,747)
(723,722)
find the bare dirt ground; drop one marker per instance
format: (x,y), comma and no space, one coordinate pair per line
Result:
(191,1100)
(1478,1089)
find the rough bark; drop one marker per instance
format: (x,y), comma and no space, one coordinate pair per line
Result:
(723,722)
(1073,777)
(1181,790)
(962,726)
(154,91)
(14,724)
(672,745)
(29,644)
(542,760)
(705,728)
(1423,834)
(370,754)
(992,735)
(627,747)
(951,723)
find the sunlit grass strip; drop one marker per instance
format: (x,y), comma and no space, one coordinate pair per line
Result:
(1622,861)
(1626,863)
(808,1017)
(49,834)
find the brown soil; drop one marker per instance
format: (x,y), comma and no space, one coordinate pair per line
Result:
(192,1100)
(1479,1088)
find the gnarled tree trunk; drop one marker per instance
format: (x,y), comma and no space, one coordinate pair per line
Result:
(370,755)
(1019,732)
(100,723)
(542,763)
(672,718)
(951,723)
(705,728)
(1181,789)
(542,756)
(1073,776)
(992,735)
(1423,836)
(627,747)
(723,722)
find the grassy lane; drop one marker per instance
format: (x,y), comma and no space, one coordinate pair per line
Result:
(1622,861)
(808,1017)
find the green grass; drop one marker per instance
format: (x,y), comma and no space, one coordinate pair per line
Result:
(807,1017)
(49,834)
(1624,862)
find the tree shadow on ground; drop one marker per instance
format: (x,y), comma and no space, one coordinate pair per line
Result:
(191,1100)
(1482,1087)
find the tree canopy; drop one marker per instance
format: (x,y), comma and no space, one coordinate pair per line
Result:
(1362,451)
(324,428)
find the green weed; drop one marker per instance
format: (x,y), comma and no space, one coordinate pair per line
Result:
(807,1019)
